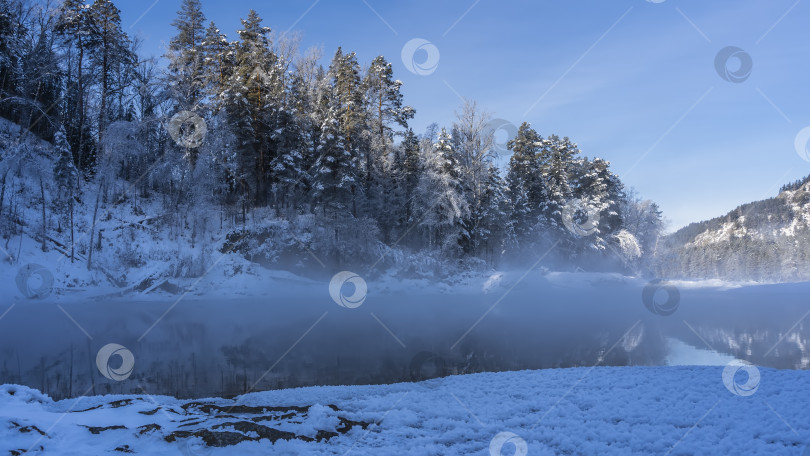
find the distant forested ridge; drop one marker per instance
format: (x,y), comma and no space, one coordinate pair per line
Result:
(766,240)
(255,147)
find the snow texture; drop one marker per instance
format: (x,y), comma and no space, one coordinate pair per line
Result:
(601,411)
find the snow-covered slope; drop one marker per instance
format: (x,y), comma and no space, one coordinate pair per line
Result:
(763,241)
(787,215)
(600,411)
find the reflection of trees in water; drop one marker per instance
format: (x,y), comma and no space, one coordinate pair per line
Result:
(564,348)
(761,347)
(190,367)
(258,362)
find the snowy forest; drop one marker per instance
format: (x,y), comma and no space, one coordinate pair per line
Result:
(764,241)
(255,147)
(247,245)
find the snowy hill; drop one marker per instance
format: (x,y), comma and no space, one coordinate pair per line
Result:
(605,411)
(764,241)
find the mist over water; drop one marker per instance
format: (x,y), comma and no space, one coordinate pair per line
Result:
(298,336)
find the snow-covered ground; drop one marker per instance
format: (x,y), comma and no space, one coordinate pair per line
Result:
(580,411)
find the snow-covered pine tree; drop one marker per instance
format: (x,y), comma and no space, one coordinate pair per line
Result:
(344,72)
(589,182)
(345,101)
(494,230)
(603,192)
(10,54)
(335,182)
(248,100)
(217,62)
(385,111)
(287,163)
(186,77)
(74,26)
(335,177)
(384,104)
(557,166)
(308,100)
(410,172)
(110,52)
(386,200)
(384,98)
(438,204)
(526,186)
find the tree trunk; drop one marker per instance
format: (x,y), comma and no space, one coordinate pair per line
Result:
(72,238)
(44,219)
(102,114)
(80,83)
(3,190)
(92,230)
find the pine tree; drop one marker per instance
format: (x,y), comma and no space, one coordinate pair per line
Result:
(217,63)
(335,177)
(345,107)
(75,26)
(109,52)
(526,187)
(384,103)
(186,77)
(493,230)
(253,89)
(384,98)
(438,198)
(287,161)
(11,50)
(602,192)
(308,97)
(344,71)
(556,166)
(410,169)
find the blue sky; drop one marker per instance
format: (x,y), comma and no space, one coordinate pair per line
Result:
(631,81)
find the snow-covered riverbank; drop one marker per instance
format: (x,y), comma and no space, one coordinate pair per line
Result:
(603,410)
